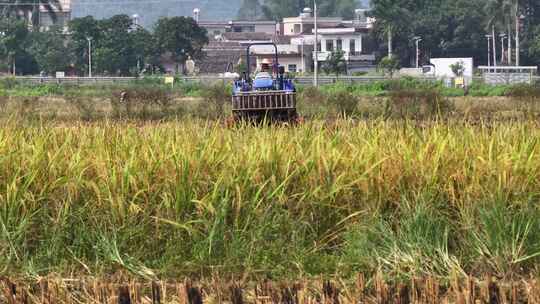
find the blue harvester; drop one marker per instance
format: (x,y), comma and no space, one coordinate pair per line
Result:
(269,95)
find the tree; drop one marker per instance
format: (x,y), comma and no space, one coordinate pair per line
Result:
(458,68)
(81,29)
(145,48)
(389,65)
(114,48)
(534,46)
(335,63)
(391,15)
(180,37)
(118,45)
(250,10)
(50,50)
(12,40)
(29,9)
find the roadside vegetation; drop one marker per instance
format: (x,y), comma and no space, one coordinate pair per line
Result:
(12,87)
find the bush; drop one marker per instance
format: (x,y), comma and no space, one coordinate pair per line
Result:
(146,103)
(344,102)
(8,83)
(417,104)
(215,97)
(479,89)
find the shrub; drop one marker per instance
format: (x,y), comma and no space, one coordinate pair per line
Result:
(146,103)
(417,104)
(344,102)
(215,97)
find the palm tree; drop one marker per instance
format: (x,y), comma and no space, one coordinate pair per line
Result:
(29,9)
(502,14)
(390,16)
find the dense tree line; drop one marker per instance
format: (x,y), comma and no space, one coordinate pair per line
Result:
(458,28)
(119,46)
(449,28)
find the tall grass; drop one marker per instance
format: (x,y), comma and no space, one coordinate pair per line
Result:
(167,199)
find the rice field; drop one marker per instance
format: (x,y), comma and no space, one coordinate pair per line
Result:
(324,199)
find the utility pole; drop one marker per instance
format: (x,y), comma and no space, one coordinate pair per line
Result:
(89,56)
(488,49)
(494,46)
(136,23)
(503,36)
(518,20)
(303,59)
(417,40)
(316,62)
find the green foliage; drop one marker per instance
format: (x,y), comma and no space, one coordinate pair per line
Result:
(335,63)
(389,65)
(449,28)
(13,39)
(480,89)
(504,237)
(50,51)
(458,68)
(413,241)
(181,36)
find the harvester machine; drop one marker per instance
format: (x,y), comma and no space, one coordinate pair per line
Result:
(269,95)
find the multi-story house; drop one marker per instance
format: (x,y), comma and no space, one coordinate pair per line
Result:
(56,15)
(352,37)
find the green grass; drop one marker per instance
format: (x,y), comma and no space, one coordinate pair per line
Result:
(194,198)
(11,87)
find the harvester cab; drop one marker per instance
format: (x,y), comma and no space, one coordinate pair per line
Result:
(270,94)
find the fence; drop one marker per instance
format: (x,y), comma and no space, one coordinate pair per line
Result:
(213,79)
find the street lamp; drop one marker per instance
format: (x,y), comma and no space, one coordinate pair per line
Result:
(503,36)
(136,25)
(518,21)
(89,56)
(489,49)
(417,40)
(316,63)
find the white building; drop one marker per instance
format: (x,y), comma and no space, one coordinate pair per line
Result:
(61,12)
(215,28)
(334,34)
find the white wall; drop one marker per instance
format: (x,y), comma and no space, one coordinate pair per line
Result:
(265,28)
(345,45)
(286,61)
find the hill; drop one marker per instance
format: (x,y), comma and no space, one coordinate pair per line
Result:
(151,10)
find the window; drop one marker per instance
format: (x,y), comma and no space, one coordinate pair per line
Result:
(292,68)
(318,46)
(352,47)
(329,45)
(339,45)
(297,28)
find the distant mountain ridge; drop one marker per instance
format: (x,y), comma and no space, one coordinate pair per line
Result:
(151,10)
